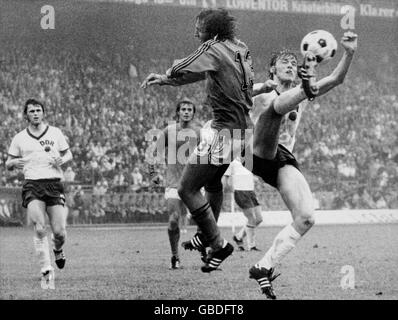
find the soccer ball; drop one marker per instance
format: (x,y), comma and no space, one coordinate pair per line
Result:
(321,43)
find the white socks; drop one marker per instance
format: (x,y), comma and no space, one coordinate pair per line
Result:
(250,237)
(242,233)
(283,243)
(43,252)
(249,232)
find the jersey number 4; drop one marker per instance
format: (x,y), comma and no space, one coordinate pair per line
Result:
(245,67)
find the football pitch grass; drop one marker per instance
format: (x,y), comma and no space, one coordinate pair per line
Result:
(128,262)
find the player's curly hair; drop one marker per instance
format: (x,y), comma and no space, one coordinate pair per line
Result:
(217,22)
(275,56)
(32,102)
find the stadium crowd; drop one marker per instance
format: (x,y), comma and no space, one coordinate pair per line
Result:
(347,144)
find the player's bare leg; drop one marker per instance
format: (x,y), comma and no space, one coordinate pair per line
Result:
(242,233)
(58,215)
(194,177)
(252,224)
(36,214)
(254,218)
(297,196)
(175,208)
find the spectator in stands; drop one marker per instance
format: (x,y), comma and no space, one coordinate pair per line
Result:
(100,188)
(363,200)
(78,213)
(73,215)
(102,207)
(119,181)
(69,175)
(96,210)
(122,209)
(137,178)
(380,201)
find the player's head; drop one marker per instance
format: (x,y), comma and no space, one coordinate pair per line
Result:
(283,65)
(185,110)
(33,111)
(211,23)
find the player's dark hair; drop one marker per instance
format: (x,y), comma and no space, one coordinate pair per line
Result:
(278,55)
(217,22)
(32,102)
(184,101)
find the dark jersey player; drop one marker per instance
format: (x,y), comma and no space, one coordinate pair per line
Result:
(173,147)
(226,64)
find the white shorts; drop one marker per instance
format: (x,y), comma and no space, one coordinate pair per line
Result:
(171,193)
(216,147)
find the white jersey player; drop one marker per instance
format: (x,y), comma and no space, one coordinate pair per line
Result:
(40,150)
(276,121)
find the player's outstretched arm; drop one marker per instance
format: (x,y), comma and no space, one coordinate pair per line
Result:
(288,100)
(349,43)
(164,79)
(190,69)
(153,79)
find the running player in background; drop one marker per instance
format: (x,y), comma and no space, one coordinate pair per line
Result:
(225,62)
(276,116)
(171,140)
(241,181)
(40,150)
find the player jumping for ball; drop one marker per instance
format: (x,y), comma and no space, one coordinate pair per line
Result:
(276,116)
(40,150)
(171,144)
(225,62)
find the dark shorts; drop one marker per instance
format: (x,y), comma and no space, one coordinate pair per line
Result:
(246,199)
(268,169)
(50,191)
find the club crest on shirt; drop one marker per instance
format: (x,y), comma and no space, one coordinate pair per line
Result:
(47,143)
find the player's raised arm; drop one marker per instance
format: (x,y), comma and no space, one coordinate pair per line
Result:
(288,100)
(349,43)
